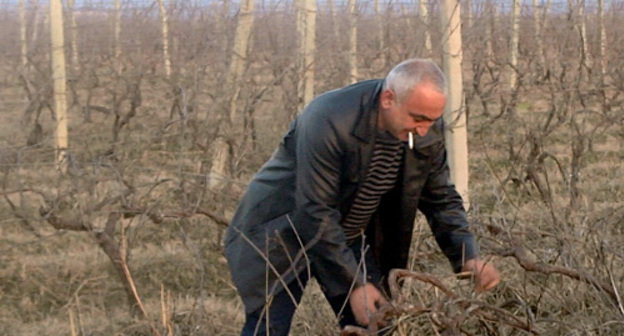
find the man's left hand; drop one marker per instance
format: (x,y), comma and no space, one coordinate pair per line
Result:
(485,274)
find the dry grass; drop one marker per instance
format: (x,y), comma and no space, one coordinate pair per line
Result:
(554,188)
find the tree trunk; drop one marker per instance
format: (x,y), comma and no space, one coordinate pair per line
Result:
(423,12)
(23,41)
(537,32)
(59,77)
(164,26)
(74,37)
(306,14)
(515,34)
(454,115)
(239,55)
(353,69)
(602,38)
(117,35)
(582,27)
(220,169)
(35,23)
(542,28)
(491,28)
(222,28)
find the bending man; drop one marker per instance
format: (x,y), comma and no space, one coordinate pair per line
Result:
(337,201)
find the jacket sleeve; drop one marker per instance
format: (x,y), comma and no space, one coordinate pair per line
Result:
(443,207)
(316,216)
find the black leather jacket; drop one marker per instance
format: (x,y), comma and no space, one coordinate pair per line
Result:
(292,210)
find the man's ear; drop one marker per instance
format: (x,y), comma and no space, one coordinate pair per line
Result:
(386,99)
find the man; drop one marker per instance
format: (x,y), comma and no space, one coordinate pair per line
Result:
(337,201)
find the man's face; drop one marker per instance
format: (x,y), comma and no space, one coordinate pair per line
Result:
(422,107)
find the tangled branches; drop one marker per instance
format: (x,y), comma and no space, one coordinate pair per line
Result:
(451,315)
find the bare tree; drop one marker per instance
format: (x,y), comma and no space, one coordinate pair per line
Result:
(454,115)
(59,76)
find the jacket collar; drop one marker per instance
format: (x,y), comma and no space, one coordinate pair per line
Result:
(364,128)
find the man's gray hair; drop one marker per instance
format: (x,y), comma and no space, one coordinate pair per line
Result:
(405,76)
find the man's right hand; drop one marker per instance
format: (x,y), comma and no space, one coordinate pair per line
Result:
(365,300)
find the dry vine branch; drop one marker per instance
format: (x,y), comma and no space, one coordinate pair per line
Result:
(521,256)
(397,274)
(450,323)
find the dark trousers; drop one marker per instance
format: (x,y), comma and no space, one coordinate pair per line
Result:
(279,312)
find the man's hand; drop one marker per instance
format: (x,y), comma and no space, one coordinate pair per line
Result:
(365,300)
(485,274)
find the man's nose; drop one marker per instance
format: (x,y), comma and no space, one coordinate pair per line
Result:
(422,130)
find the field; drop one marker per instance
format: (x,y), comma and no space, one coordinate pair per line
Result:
(129,240)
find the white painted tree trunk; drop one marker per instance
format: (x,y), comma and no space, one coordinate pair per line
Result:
(543,28)
(515,39)
(454,115)
(220,169)
(239,54)
(353,68)
(59,78)
(164,27)
(35,23)
(73,28)
(602,38)
(23,41)
(423,13)
(306,15)
(117,36)
(491,28)
(582,27)
(537,31)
